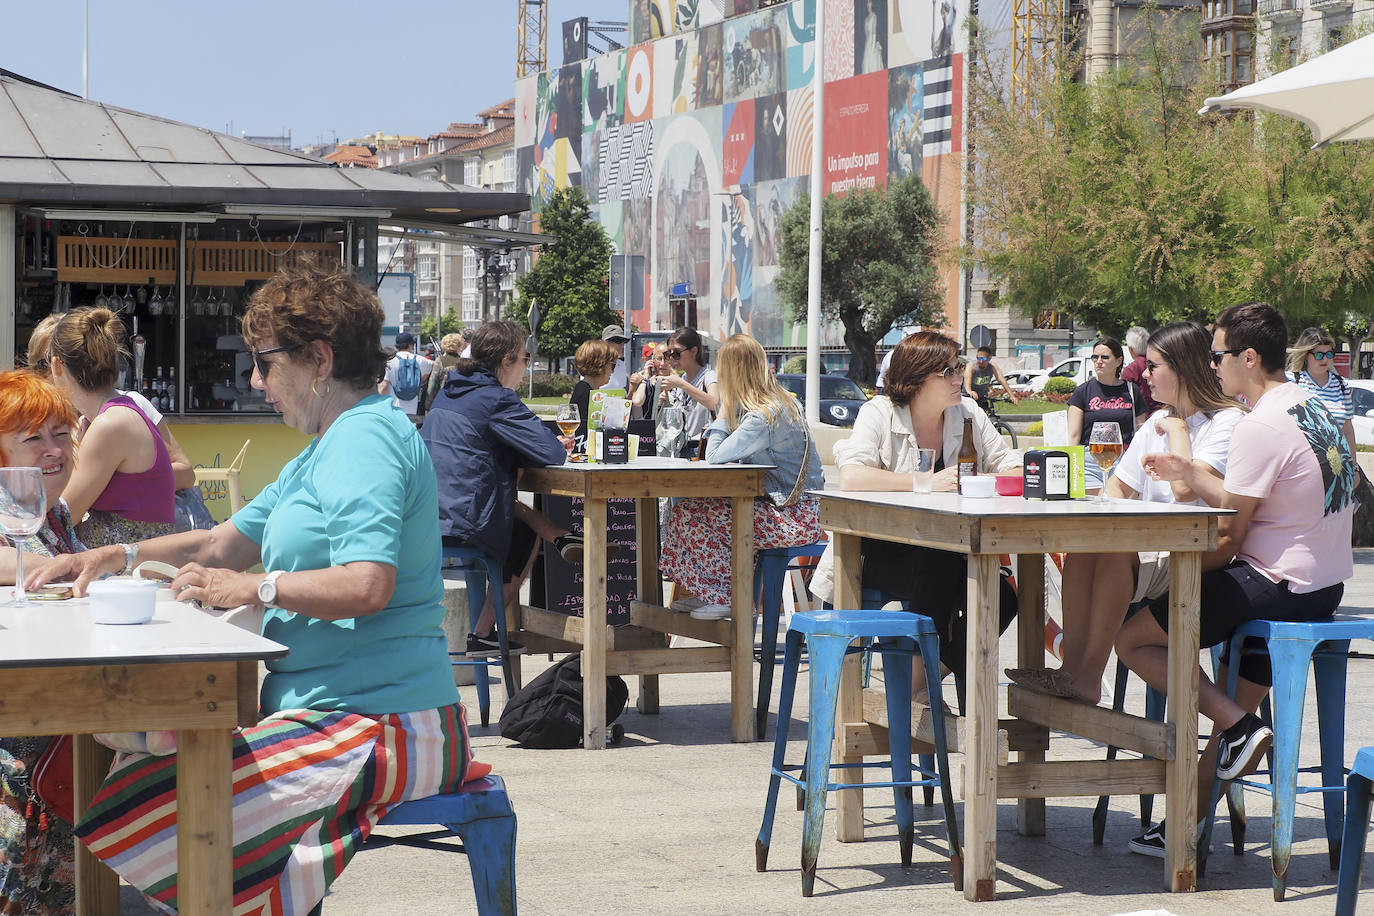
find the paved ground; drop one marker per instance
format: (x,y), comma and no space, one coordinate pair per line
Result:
(665,824)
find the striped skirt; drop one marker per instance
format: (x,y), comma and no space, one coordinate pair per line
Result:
(308,788)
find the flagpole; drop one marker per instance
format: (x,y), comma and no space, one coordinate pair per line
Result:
(813,283)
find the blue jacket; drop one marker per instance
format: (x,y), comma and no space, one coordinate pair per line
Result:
(479,434)
(756,441)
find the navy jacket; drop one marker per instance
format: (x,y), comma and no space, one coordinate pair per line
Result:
(479,434)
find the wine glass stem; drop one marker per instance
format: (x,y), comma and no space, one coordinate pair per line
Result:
(19,595)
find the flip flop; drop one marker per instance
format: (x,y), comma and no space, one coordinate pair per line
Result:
(1047,682)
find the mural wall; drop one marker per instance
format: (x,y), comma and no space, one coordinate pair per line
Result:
(693,142)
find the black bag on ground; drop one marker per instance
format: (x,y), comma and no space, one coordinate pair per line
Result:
(547,712)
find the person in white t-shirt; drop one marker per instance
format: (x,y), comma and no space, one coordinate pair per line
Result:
(1285,553)
(1195,425)
(405,345)
(614,336)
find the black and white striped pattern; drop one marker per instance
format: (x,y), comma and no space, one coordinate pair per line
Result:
(626,159)
(937,116)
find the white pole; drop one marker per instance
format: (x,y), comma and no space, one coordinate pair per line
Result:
(86,51)
(813,284)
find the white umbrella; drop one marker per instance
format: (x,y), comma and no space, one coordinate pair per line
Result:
(1332,94)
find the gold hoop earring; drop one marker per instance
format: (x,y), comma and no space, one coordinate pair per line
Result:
(316,393)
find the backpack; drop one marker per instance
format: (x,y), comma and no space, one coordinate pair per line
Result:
(547,712)
(407,378)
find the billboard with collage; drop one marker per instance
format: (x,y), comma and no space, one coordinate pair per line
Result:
(694,141)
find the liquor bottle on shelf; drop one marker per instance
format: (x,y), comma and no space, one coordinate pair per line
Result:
(171,393)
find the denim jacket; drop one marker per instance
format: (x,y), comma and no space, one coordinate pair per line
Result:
(781,443)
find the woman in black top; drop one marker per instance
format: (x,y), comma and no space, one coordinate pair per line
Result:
(1104,398)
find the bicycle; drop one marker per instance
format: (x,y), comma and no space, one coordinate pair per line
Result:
(1002,426)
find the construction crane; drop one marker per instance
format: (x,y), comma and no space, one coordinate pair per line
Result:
(532,27)
(1038,43)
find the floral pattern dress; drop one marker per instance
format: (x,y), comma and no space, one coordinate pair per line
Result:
(37,874)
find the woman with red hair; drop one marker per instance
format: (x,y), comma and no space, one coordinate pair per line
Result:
(36,873)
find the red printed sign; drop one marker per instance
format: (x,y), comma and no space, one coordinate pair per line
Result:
(856,133)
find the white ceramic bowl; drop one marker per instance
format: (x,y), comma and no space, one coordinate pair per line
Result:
(122,600)
(979,486)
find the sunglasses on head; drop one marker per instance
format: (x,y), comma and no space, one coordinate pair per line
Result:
(1323,354)
(262,365)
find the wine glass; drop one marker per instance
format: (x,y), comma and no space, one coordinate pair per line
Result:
(128,302)
(670,432)
(568,419)
(197,303)
(155,303)
(23,503)
(1105,445)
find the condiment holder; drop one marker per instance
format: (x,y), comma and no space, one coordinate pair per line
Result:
(122,600)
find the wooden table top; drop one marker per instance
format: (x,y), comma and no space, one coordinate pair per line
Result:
(646,477)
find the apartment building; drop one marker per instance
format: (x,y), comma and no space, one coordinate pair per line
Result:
(1293,30)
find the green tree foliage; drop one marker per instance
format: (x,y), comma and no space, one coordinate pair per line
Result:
(569,278)
(1115,202)
(880,266)
(430,329)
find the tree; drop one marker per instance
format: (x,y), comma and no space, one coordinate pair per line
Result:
(430,329)
(569,280)
(879,267)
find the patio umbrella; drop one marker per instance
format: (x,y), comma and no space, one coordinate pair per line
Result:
(1332,94)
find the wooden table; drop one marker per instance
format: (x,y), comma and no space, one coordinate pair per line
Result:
(640,648)
(183,670)
(984,529)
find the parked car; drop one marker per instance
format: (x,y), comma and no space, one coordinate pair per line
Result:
(1362,393)
(1077,368)
(841,398)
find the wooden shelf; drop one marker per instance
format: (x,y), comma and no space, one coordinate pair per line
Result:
(105,260)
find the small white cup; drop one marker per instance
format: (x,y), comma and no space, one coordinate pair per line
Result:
(122,600)
(923,475)
(980,486)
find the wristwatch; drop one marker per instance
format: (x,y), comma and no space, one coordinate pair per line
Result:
(267,588)
(130,558)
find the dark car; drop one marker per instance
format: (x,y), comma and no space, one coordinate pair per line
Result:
(841,398)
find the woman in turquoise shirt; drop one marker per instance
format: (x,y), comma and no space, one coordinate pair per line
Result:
(363,712)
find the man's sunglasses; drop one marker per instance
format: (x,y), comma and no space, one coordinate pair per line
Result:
(1217,355)
(262,365)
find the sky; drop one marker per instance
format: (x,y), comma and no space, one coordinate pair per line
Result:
(320,70)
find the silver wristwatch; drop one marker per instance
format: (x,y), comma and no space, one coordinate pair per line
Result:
(267,588)
(130,558)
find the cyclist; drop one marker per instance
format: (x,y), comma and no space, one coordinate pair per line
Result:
(979,376)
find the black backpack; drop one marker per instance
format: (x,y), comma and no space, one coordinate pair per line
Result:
(547,712)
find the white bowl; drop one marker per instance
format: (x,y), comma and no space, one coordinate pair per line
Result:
(979,486)
(122,600)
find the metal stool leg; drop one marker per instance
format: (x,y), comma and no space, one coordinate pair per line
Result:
(772,571)
(1290,659)
(1329,669)
(1353,844)
(827,661)
(930,653)
(790,663)
(897,673)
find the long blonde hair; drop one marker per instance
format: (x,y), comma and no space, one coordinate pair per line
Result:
(746,384)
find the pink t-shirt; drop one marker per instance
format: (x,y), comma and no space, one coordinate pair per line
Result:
(1289,453)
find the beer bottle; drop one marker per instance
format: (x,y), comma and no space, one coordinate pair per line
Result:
(968,454)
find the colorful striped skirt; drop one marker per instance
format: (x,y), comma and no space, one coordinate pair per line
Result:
(308,788)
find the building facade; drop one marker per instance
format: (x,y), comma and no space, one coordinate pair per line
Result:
(1292,30)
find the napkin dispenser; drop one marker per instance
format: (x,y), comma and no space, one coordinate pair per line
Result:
(615,445)
(1045,474)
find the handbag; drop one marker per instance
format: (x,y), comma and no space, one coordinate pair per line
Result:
(52,778)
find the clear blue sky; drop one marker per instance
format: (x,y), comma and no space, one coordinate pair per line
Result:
(317,69)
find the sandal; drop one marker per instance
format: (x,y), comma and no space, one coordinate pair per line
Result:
(1048,682)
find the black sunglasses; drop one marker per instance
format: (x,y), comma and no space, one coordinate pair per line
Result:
(1218,354)
(262,365)
(672,354)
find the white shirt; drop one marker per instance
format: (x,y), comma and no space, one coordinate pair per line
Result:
(1209,439)
(393,366)
(619,377)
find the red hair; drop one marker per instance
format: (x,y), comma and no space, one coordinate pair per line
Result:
(27,401)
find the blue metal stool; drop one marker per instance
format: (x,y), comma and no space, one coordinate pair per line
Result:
(770,571)
(828,636)
(481,816)
(1292,646)
(479,569)
(1357,789)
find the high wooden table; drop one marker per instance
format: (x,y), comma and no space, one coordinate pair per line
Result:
(984,529)
(641,648)
(184,670)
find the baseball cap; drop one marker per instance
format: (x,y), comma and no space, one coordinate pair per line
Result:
(614,332)
(405,339)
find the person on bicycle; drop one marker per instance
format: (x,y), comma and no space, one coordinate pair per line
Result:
(979,376)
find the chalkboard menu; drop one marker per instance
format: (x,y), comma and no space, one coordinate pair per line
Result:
(563,581)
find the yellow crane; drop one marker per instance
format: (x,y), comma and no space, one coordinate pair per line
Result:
(532,28)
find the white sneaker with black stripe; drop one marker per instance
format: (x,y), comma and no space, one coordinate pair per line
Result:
(1239,753)
(1151,842)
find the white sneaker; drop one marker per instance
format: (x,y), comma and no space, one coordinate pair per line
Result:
(711,612)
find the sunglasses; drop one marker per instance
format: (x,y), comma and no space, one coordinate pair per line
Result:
(672,354)
(1151,367)
(1099,358)
(1323,354)
(262,365)
(1218,354)
(958,366)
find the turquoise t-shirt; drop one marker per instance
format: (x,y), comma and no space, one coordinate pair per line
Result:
(364,491)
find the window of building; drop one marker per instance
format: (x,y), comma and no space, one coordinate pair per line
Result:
(508,165)
(1334,38)
(469,264)
(470,172)
(470,310)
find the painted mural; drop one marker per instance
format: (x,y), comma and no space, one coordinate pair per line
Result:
(694,141)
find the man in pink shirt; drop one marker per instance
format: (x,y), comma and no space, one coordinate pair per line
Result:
(1283,555)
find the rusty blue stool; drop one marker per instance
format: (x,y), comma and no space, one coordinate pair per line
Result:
(1357,789)
(480,571)
(1293,646)
(481,816)
(829,636)
(770,571)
